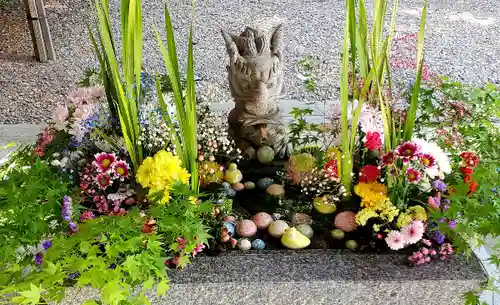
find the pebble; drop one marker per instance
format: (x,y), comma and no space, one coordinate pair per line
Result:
(264,183)
(249,185)
(300,218)
(265,154)
(262,220)
(275,190)
(244,244)
(351,245)
(246,228)
(305,229)
(238,186)
(277,228)
(258,244)
(337,234)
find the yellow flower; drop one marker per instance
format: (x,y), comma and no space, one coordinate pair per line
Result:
(193,200)
(387,210)
(364,215)
(333,153)
(404,219)
(418,213)
(160,172)
(376,227)
(144,171)
(371,193)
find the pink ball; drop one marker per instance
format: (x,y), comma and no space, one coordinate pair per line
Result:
(262,220)
(246,228)
(346,221)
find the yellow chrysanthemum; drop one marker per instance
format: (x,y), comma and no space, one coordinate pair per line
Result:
(364,215)
(418,213)
(371,193)
(193,200)
(386,210)
(376,227)
(404,219)
(160,172)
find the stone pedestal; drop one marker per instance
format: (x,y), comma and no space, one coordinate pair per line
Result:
(317,277)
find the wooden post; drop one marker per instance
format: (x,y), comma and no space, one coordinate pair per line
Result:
(39,29)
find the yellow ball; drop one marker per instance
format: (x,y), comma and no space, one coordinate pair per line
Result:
(324,205)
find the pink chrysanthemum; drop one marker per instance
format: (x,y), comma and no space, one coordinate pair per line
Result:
(412,175)
(104,161)
(413,232)
(395,240)
(427,160)
(121,168)
(408,151)
(388,159)
(103,180)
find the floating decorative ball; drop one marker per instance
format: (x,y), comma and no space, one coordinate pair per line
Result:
(229,226)
(264,183)
(275,190)
(230,192)
(293,239)
(277,228)
(351,245)
(249,185)
(324,204)
(225,238)
(226,185)
(300,218)
(246,228)
(262,220)
(346,221)
(238,186)
(305,229)
(231,219)
(265,154)
(244,244)
(337,234)
(233,175)
(258,244)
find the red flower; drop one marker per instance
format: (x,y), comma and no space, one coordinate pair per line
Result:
(412,175)
(121,169)
(469,159)
(332,170)
(149,226)
(467,171)
(373,140)
(407,150)
(104,161)
(388,159)
(427,160)
(103,180)
(473,185)
(369,173)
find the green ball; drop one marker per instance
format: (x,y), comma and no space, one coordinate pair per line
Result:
(265,154)
(337,234)
(351,245)
(305,229)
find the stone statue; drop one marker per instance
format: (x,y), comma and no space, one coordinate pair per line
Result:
(255,74)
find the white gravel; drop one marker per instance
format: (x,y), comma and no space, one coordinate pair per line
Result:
(461,41)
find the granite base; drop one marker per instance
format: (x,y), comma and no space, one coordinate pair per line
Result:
(314,277)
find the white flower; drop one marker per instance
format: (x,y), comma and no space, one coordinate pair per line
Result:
(370,120)
(442,160)
(395,240)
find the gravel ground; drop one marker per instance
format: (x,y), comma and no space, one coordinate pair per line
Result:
(461,42)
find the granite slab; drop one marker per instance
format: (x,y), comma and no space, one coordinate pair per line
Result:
(314,277)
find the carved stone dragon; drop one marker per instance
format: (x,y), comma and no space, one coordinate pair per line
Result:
(255,74)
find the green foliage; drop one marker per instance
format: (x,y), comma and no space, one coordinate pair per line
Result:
(30,201)
(303,133)
(186,141)
(123,95)
(111,254)
(306,66)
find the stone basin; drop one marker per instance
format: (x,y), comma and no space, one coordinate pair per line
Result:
(316,277)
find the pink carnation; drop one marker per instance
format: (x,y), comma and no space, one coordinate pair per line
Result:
(395,240)
(413,232)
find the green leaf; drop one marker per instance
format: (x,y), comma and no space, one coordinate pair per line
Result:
(148,284)
(90,302)
(162,287)
(31,296)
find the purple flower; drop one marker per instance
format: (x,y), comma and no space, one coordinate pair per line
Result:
(39,258)
(66,208)
(46,244)
(452,224)
(438,237)
(73,228)
(446,203)
(112,266)
(439,185)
